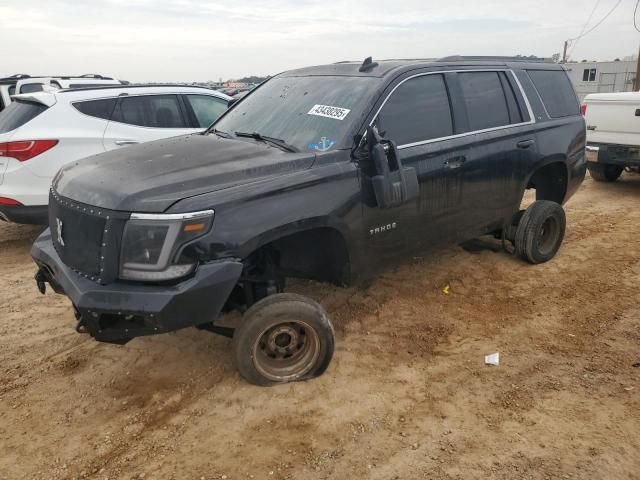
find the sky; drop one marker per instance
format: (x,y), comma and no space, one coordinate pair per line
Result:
(199,40)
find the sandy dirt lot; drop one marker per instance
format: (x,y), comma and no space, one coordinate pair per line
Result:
(407,395)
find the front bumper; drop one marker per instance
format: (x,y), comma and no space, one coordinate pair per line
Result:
(622,155)
(121,311)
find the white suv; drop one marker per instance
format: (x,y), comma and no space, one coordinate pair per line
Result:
(8,89)
(40,132)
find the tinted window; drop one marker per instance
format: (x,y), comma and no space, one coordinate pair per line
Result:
(97,108)
(18,113)
(485,100)
(31,88)
(556,92)
(515,113)
(418,110)
(156,111)
(206,108)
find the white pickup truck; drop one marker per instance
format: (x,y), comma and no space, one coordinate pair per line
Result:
(613,134)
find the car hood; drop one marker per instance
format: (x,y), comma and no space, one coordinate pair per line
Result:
(152,176)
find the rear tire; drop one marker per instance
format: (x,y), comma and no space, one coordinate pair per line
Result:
(283,338)
(604,172)
(540,231)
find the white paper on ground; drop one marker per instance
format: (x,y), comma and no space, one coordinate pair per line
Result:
(492,359)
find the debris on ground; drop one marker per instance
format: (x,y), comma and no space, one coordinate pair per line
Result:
(492,359)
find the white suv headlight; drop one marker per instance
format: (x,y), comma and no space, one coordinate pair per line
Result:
(151,244)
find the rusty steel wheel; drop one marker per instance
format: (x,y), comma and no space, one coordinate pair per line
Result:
(286,351)
(283,338)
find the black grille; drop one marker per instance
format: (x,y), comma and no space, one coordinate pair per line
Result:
(77,231)
(92,237)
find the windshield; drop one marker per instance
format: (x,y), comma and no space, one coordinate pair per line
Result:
(307,113)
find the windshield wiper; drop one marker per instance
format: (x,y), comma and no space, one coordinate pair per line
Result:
(220,133)
(270,140)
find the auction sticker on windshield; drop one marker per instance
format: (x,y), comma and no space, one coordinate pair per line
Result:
(328,111)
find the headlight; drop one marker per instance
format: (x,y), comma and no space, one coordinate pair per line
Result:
(151,244)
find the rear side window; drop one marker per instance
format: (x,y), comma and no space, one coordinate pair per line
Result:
(18,113)
(486,101)
(97,108)
(206,108)
(418,110)
(556,92)
(31,88)
(155,111)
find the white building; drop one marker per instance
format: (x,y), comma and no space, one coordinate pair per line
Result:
(596,77)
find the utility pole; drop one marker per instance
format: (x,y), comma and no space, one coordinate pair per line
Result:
(636,81)
(564,52)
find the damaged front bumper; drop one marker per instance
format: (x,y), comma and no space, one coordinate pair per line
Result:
(121,311)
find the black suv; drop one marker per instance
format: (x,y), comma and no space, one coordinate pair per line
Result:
(327,173)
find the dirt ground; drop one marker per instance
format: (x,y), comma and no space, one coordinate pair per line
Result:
(407,396)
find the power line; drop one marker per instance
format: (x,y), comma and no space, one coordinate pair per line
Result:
(597,24)
(584,27)
(635,14)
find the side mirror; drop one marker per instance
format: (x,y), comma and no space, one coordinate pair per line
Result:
(392,183)
(232,102)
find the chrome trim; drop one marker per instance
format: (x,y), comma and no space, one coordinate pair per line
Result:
(532,119)
(524,95)
(172,216)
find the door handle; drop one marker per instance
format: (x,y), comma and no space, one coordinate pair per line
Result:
(455,162)
(525,143)
(126,142)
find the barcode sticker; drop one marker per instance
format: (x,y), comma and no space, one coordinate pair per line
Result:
(328,111)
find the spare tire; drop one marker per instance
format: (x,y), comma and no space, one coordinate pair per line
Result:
(540,231)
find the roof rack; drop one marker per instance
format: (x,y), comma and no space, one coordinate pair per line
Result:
(15,78)
(518,58)
(134,85)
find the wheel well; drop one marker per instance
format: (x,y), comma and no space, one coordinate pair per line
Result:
(550,182)
(317,254)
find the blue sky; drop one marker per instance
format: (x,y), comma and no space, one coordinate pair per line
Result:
(186,40)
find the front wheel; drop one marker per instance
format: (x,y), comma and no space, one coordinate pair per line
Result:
(604,172)
(283,338)
(540,231)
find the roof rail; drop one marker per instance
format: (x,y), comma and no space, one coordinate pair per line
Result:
(16,77)
(135,85)
(518,58)
(95,75)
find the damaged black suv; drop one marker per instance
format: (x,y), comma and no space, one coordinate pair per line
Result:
(327,173)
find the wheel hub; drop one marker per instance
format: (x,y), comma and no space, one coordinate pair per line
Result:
(286,351)
(283,340)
